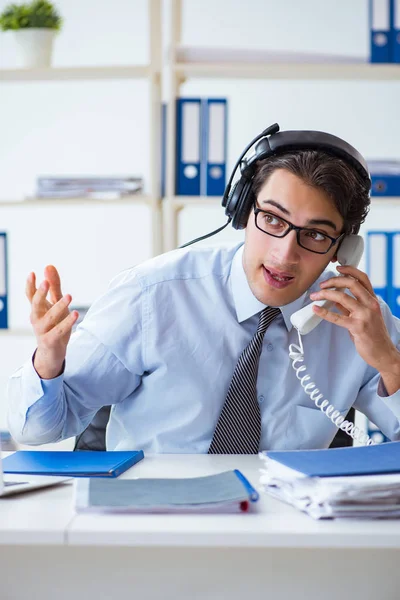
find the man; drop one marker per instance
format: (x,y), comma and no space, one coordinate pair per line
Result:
(181,346)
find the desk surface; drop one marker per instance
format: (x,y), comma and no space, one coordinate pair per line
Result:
(48,517)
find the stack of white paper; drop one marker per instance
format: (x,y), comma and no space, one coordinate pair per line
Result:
(356,496)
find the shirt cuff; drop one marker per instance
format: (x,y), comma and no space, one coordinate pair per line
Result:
(392,402)
(35,388)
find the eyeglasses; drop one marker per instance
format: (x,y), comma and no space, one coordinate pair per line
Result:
(309,239)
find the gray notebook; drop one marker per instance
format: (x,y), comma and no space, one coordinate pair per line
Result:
(229,491)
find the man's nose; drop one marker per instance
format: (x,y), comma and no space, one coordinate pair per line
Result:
(287,248)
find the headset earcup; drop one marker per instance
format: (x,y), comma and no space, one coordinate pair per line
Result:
(243,205)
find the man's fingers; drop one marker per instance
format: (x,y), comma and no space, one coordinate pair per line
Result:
(30,287)
(39,303)
(54,315)
(52,276)
(64,327)
(342,310)
(359,275)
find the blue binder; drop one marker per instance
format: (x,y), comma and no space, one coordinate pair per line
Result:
(394,292)
(214,146)
(383,266)
(378,268)
(163,159)
(375,434)
(380,31)
(337,462)
(3,282)
(385,177)
(188,146)
(395,30)
(87,463)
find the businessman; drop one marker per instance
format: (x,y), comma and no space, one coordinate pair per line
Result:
(191,348)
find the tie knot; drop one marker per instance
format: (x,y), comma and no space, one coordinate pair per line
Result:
(266,317)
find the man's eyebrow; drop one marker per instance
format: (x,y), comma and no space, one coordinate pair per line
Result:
(310,222)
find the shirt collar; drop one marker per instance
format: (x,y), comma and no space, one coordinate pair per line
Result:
(246,304)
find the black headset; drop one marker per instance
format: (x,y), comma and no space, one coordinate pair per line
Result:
(239,199)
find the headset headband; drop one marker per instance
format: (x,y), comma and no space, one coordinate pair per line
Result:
(237,200)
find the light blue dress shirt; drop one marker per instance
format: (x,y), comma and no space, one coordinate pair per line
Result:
(161,345)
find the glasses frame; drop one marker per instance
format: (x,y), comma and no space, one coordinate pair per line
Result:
(295,228)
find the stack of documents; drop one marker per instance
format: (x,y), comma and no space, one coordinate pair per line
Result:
(362,482)
(225,492)
(88,187)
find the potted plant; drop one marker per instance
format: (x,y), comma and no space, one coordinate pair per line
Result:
(34,26)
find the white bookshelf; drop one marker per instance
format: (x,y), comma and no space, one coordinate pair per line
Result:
(43,202)
(150,72)
(187,63)
(18,342)
(77,73)
(293,71)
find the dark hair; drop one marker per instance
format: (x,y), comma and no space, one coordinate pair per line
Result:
(341,182)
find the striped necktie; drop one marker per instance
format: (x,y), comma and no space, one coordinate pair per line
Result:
(238,429)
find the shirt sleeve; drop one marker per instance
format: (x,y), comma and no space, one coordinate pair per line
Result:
(373,400)
(104,365)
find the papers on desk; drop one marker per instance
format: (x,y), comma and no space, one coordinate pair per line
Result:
(361,482)
(224,492)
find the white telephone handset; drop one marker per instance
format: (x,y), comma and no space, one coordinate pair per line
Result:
(304,320)
(349,253)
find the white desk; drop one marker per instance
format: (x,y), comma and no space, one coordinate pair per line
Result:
(276,552)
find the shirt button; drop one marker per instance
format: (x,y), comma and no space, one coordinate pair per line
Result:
(269,347)
(260,399)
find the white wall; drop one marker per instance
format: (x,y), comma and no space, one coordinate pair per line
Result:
(102,128)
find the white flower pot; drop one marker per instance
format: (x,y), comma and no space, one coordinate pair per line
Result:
(35,46)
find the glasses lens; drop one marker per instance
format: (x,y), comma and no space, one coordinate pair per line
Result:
(314,241)
(271,224)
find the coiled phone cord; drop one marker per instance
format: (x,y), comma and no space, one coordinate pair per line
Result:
(296,354)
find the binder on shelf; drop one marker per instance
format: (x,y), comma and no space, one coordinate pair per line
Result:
(188,146)
(380,31)
(3,282)
(214,146)
(87,463)
(163,159)
(377,262)
(375,433)
(394,300)
(395,30)
(385,177)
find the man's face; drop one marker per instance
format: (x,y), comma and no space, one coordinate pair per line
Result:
(278,270)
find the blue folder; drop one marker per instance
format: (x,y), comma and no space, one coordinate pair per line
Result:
(3,281)
(335,462)
(229,491)
(87,463)
(380,31)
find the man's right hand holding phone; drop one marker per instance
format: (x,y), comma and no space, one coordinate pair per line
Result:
(52,322)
